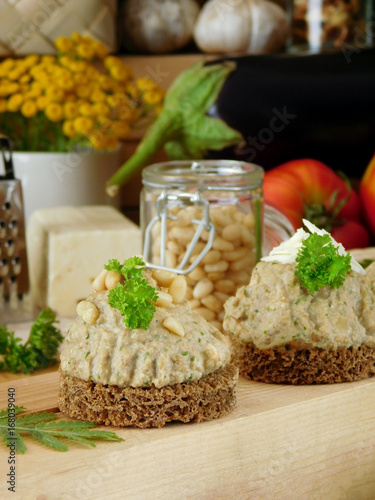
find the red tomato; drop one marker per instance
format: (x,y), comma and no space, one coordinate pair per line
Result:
(367,193)
(308,189)
(351,235)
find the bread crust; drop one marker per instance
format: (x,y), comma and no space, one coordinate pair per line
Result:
(211,397)
(303,366)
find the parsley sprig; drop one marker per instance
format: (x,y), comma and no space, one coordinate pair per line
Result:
(44,428)
(134,297)
(319,263)
(38,352)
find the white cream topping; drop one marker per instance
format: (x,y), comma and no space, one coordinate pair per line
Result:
(287,251)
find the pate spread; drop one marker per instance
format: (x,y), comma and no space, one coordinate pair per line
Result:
(274,310)
(108,352)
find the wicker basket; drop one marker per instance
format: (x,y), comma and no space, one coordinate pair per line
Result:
(31,26)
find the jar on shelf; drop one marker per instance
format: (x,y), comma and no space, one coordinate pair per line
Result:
(326,25)
(206,219)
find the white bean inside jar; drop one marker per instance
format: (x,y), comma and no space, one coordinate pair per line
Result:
(226,267)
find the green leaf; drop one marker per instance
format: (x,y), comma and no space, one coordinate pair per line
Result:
(319,263)
(40,349)
(45,428)
(135,297)
(183,126)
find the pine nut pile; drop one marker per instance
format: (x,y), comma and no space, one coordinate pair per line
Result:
(226,267)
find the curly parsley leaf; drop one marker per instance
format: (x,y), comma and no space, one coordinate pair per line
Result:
(40,349)
(45,428)
(134,297)
(319,263)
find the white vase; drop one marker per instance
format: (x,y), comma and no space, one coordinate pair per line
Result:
(56,179)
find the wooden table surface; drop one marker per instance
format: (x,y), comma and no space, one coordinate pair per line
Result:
(281,442)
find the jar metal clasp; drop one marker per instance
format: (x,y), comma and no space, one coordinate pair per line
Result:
(164,203)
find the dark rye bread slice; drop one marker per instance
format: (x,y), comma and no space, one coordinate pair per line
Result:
(304,366)
(211,397)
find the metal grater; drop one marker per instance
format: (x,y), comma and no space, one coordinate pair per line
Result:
(14,279)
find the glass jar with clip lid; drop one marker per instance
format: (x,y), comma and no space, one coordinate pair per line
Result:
(204,219)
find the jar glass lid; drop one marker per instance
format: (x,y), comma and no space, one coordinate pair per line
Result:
(217,174)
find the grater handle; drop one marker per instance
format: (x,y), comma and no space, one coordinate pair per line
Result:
(6,153)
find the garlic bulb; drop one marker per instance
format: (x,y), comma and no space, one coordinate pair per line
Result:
(241,26)
(158,26)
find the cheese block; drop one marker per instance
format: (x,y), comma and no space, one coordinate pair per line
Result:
(68,247)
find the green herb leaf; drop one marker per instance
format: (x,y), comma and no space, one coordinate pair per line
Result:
(38,352)
(319,263)
(135,297)
(45,428)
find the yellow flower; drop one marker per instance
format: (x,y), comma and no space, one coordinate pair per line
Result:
(86,51)
(97,140)
(86,109)
(32,93)
(146,83)
(13,88)
(29,108)
(153,96)
(14,102)
(31,60)
(121,129)
(112,61)
(83,125)
(126,113)
(133,91)
(14,75)
(83,91)
(3,105)
(69,129)
(47,60)
(64,44)
(76,37)
(66,83)
(25,78)
(54,112)
(42,102)
(98,96)
(119,73)
(70,110)
(8,63)
(101,50)
(101,109)
(105,82)
(55,94)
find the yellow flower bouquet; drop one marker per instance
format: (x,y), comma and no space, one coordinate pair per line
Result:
(81,97)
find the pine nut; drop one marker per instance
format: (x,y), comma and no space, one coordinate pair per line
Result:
(218,267)
(213,303)
(194,303)
(244,263)
(88,311)
(223,297)
(164,278)
(207,314)
(215,276)
(112,279)
(212,257)
(174,326)
(174,247)
(177,289)
(170,259)
(226,286)
(211,356)
(203,288)
(232,232)
(197,274)
(216,324)
(221,244)
(99,282)
(236,254)
(164,299)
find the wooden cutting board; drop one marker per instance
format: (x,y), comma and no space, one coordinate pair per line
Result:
(281,442)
